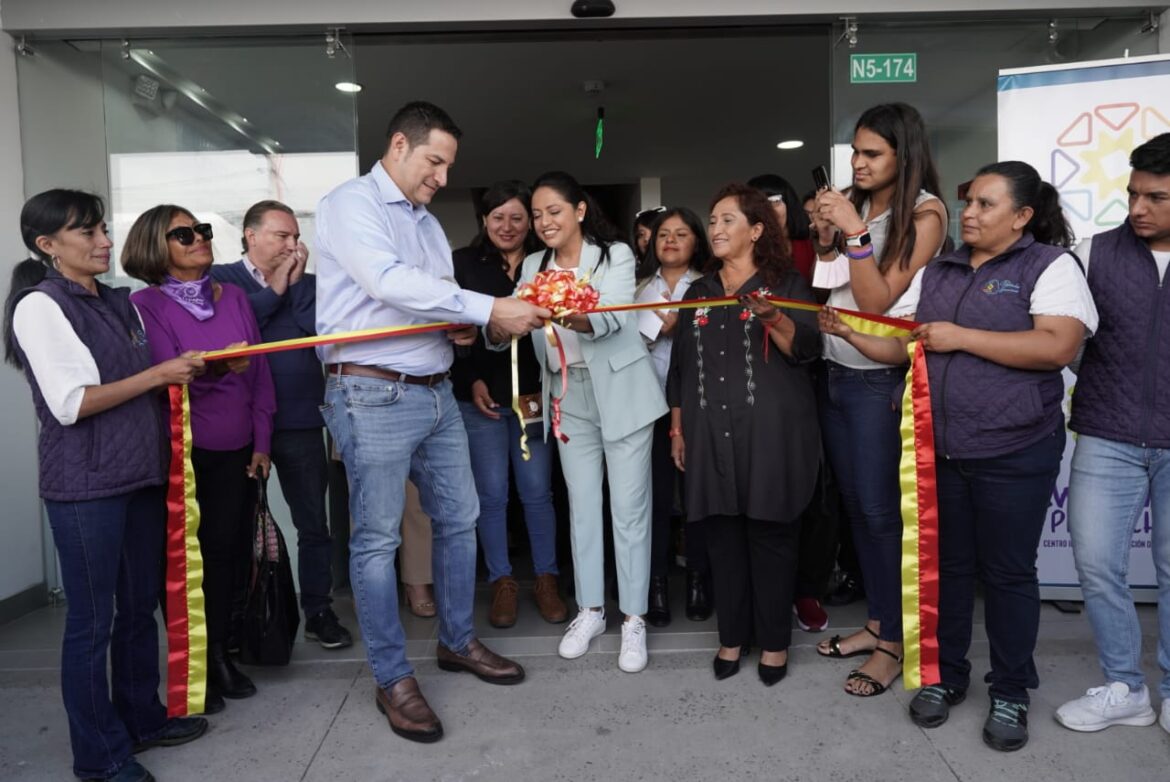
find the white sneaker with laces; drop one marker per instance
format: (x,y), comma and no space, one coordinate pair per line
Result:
(1112,704)
(1164,720)
(583,629)
(633,657)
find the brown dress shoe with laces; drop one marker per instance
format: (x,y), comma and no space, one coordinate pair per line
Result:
(481,661)
(548,600)
(503,610)
(408,712)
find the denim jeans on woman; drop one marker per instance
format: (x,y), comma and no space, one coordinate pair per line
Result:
(860,412)
(111,552)
(387,432)
(495,446)
(1110,484)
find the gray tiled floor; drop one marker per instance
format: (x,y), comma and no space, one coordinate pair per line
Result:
(584,719)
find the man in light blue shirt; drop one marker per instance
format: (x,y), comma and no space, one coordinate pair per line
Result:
(384,260)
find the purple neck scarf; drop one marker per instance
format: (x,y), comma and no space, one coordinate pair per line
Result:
(196,296)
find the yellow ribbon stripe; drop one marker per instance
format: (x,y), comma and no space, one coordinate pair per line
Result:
(908,479)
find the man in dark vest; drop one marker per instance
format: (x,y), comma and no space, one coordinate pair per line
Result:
(284,298)
(1121,411)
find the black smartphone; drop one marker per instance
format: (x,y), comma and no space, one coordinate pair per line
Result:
(821,178)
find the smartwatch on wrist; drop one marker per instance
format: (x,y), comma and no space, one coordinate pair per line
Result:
(858,240)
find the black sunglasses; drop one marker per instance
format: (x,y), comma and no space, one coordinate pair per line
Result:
(185,234)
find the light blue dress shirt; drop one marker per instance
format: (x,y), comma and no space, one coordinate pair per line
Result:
(381,261)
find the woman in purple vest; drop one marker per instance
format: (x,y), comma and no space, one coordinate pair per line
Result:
(102,476)
(231,408)
(1001,317)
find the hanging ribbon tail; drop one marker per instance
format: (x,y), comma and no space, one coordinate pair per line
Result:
(186,616)
(556,400)
(919,528)
(524,450)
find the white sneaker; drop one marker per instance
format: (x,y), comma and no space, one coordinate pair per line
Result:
(632,657)
(1164,720)
(587,626)
(1112,704)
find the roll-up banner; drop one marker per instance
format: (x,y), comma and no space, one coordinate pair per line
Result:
(1077,123)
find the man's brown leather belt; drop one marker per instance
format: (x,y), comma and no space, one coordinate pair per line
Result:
(365,370)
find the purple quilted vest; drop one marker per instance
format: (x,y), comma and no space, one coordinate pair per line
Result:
(116,451)
(1123,386)
(983,409)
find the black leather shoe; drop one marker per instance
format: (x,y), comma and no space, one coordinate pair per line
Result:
(224,677)
(849,590)
(175,731)
(658,614)
(213,704)
(698,599)
(771,674)
(725,669)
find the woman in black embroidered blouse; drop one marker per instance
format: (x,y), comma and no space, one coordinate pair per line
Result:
(744,423)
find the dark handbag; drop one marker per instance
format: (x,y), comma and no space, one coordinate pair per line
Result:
(271,616)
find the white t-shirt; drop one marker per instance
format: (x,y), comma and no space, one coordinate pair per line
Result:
(59,360)
(1061,290)
(567,337)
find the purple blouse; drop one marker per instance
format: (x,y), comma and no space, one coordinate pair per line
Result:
(228,411)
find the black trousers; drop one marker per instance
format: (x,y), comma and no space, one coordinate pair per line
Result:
(665,478)
(227,498)
(753,567)
(818,537)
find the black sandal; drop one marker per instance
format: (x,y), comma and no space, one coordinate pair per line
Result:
(835,646)
(876,687)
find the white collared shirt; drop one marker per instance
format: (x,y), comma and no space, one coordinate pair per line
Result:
(257,275)
(650,323)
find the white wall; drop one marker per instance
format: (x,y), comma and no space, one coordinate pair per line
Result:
(21,550)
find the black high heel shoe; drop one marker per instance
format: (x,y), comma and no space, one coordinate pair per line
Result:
(725,669)
(771,674)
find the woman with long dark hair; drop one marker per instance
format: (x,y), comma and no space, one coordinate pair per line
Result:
(231,409)
(103,455)
(883,230)
(1000,318)
(676,256)
(794,221)
(482,382)
(608,411)
(743,423)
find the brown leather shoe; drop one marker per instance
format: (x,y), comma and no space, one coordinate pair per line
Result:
(481,661)
(408,713)
(503,610)
(548,600)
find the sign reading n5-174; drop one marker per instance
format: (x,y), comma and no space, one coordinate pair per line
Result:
(883,68)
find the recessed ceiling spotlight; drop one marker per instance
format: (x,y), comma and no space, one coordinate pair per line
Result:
(790,144)
(348,86)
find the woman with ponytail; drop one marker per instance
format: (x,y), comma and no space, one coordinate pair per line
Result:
(608,412)
(1000,318)
(102,454)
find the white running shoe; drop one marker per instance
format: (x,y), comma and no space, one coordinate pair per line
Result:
(1102,707)
(1164,720)
(587,626)
(632,657)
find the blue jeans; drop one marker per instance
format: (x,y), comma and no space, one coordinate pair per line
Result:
(299,456)
(991,513)
(495,444)
(111,554)
(1109,486)
(387,432)
(860,413)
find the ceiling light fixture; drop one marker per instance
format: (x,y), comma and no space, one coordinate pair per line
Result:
(348,86)
(790,144)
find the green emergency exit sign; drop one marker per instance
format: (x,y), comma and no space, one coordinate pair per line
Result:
(883,68)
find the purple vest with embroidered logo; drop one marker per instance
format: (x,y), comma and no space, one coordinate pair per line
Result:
(983,409)
(121,449)
(1123,386)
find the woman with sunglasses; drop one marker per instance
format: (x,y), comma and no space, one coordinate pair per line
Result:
(102,476)
(231,408)
(794,222)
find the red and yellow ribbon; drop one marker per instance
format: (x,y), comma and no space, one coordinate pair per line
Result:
(186,619)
